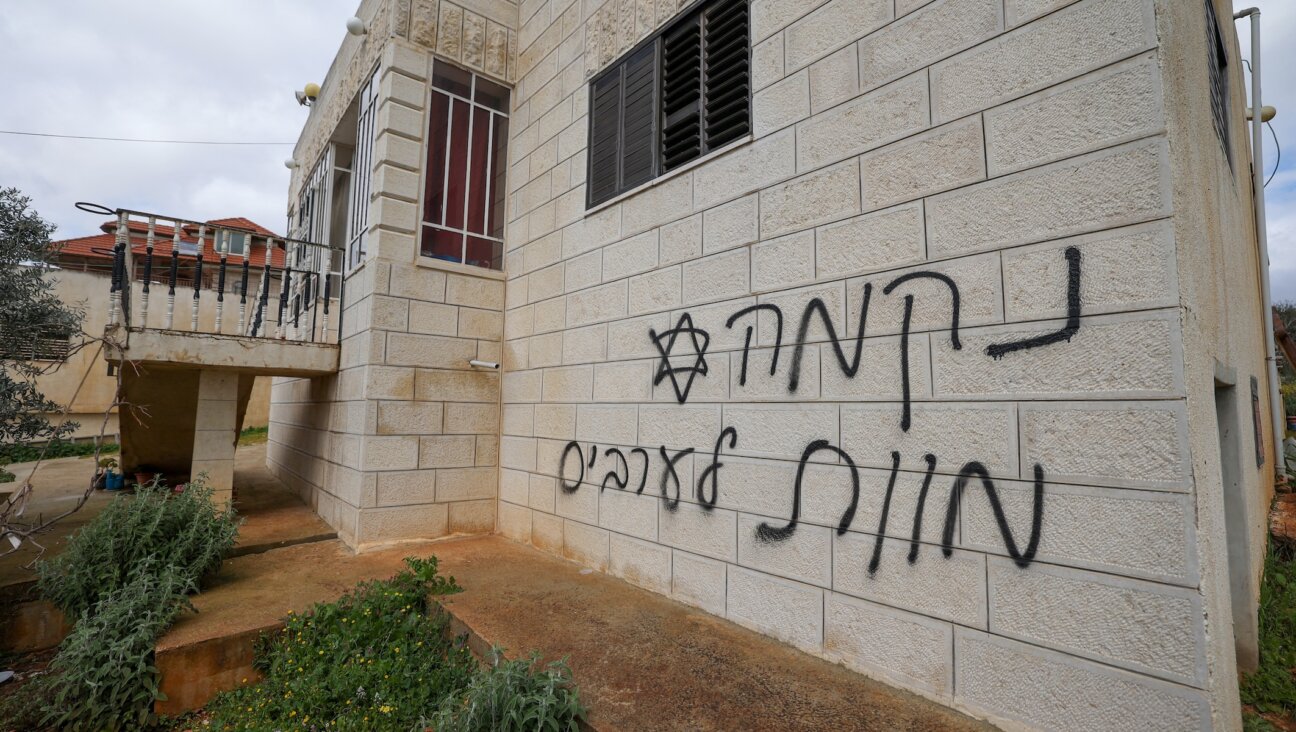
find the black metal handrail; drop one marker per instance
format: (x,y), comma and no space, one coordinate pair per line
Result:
(309,289)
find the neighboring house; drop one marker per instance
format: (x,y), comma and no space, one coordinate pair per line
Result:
(925,336)
(84,266)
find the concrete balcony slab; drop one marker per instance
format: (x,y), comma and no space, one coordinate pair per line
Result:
(256,356)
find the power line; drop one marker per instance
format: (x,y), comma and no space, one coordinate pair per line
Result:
(137,139)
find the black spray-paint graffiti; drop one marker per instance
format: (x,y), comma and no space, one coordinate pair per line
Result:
(765,532)
(700,339)
(998,350)
(697,366)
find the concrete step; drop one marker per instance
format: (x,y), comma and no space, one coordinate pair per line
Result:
(641,660)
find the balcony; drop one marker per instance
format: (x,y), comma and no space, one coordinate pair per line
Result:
(197,311)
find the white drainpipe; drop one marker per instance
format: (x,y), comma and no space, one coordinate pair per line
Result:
(1257,183)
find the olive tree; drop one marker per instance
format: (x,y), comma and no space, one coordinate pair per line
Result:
(29,309)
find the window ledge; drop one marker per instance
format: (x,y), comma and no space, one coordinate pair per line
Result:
(659,180)
(459,268)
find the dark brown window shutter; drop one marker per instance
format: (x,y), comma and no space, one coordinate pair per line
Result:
(682,93)
(727,74)
(638,115)
(605,135)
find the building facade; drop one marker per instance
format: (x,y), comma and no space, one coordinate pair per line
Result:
(924,336)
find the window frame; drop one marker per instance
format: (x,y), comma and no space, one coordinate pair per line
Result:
(490,186)
(1217,80)
(226,246)
(361,171)
(656,38)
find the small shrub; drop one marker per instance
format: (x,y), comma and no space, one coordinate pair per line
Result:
(103,676)
(512,696)
(184,529)
(124,577)
(376,659)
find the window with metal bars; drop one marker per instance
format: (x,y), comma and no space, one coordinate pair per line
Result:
(1219,81)
(361,163)
(463,188)
(680,94)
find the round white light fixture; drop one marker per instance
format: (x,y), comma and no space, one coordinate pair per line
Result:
(356,27)
(290,164)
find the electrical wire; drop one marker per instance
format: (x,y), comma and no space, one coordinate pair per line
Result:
(137,139)
(1278,158)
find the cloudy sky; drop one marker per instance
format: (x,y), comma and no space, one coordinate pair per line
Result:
(198,70)
(163,69)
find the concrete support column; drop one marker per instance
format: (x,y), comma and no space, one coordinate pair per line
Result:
(216,431)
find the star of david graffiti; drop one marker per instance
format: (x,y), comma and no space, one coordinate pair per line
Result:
(665,343)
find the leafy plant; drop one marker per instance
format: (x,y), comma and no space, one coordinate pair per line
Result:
(104,677)
(377,659)
(124,578)
(1272,687)
(512,695)
(185,530)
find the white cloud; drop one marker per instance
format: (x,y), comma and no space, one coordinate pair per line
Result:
(174,70)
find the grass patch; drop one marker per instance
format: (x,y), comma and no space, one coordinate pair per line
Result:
(57,449)
(1271,690)
(253,435)
(381,658)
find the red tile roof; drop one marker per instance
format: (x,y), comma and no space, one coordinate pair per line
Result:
(100,246)
(238,222)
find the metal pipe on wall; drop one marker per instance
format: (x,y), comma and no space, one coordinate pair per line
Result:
(1262,236)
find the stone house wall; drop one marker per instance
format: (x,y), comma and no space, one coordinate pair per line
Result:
(403,442)
(1011,504)
(1019,149)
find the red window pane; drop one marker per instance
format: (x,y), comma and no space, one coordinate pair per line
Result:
(434,188)
(458,179)
(442,244)
(477,170)
(485,253)
(495,223)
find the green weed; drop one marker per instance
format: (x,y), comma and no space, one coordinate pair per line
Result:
(1272,688)
(512,696)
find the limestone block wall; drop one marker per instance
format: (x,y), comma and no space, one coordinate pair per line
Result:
(901,379)
(403,442)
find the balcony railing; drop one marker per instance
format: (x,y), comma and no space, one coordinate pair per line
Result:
(286,289)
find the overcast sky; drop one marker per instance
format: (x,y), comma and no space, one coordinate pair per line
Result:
(173,69)
(201,70)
